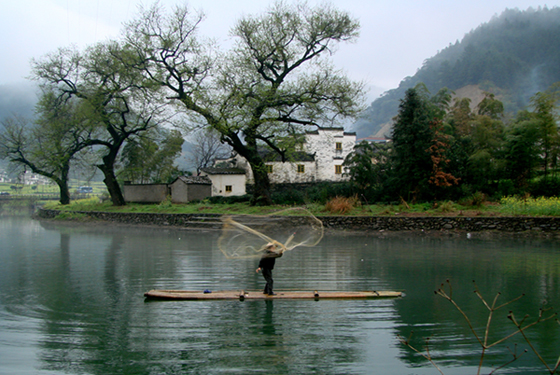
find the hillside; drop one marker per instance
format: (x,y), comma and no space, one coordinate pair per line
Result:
(514,56)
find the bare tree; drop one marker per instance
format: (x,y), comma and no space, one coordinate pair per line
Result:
(207,147)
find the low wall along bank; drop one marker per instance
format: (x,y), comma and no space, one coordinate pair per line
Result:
(358,223)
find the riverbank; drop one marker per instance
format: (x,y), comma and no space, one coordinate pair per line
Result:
(378,224)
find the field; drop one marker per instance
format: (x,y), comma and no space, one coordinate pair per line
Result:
(47,190)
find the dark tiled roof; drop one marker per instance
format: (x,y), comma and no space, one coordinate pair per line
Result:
(211,170)
(316,131)
(200,180)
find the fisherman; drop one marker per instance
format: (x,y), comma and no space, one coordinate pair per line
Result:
(266,264)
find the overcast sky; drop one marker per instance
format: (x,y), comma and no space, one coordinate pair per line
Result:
(396,35)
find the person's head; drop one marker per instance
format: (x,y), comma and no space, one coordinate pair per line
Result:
(270,246)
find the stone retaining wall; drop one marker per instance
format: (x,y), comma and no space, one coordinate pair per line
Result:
(139,218)
(471,224)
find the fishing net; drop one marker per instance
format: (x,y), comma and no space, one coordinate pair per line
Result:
(247,236)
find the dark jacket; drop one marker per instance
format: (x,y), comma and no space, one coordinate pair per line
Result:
(268,259)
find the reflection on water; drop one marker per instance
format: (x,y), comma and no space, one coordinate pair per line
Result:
(71,301)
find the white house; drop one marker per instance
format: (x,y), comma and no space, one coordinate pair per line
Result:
(319,159)
(226,182)
(330,147)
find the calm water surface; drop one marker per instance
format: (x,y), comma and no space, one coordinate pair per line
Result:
(71,302)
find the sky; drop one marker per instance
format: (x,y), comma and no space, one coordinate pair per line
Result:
(396,36)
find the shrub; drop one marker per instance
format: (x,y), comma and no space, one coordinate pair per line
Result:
(229,200)
(545,187)
(288,197)
(341,205)
(477,199)
(446,206)
(322,192)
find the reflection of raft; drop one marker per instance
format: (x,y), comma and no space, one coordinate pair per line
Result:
(243,295)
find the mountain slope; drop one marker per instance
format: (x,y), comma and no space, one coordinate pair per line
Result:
(514,56)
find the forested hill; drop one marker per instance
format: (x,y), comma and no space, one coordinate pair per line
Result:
(514,55)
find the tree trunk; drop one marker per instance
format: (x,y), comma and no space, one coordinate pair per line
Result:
(261,193)
(110,180)
(112,185)
(64,192)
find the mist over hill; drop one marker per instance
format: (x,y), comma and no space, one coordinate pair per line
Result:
(18,99)
(514,55)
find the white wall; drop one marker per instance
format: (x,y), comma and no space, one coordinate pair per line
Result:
(220,181)
(322,144)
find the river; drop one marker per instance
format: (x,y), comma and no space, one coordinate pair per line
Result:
(71,302)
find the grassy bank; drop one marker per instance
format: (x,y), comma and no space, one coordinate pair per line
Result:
(339,206)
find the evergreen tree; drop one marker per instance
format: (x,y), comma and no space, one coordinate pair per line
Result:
(544,104)
(522,152)
(412,137)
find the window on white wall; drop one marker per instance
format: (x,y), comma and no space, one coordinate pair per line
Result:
(338,169)
(229,188)
(338,146)
(301,168)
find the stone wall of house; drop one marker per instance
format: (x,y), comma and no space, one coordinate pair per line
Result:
(352,223)
(145,193)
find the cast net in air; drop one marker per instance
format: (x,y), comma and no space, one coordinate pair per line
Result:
(247,236)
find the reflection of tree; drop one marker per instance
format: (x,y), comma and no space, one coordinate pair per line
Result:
(90,324)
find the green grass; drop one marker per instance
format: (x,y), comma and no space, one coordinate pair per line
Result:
(427,209)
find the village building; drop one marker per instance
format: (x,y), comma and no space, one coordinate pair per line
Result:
(226,182)
(190,188)
(183,190)
(319,159)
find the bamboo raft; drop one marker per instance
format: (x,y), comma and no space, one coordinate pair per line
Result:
(191,295)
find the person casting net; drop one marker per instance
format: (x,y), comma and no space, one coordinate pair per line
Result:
(247,236)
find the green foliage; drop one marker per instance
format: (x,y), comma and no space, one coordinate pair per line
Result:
(274,82)
(150,158)
(288,197)
(318,193)
(112,95)
(51,144)
(367,167)
(477,200)
(322,192)
(229,200)
(544,186)
(420,147)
